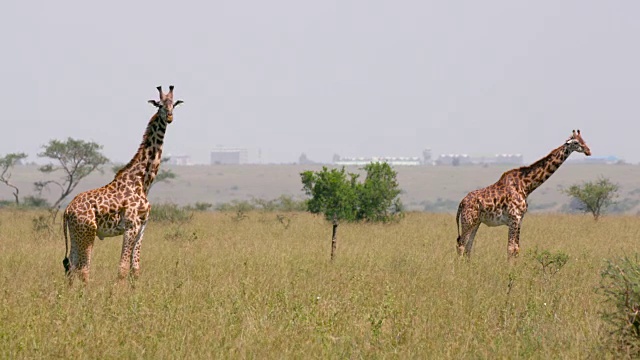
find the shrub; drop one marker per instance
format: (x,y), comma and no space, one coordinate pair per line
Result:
(284,203)
(171,213)
(199,206)
(289,204)
(7,203)
(620,285)
(551,263)
(235,206)
(593,196)
(35,202)
(42,223)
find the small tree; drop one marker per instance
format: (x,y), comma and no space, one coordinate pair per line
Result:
(594,196)
(6,163)
(333,193)
(378,196)
(339,195)
(76,158)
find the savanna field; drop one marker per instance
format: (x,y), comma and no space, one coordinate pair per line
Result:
(261,285)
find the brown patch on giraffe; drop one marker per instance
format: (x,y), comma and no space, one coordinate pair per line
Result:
(505,201)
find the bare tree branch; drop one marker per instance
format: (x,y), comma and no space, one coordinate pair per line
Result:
(6,163)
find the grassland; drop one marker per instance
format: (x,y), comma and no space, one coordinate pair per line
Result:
(432,188)
(221,287)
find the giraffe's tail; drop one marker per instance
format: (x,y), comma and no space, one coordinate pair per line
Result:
(65,261)
(458,219)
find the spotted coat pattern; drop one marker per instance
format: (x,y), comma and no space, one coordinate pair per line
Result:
(505,202)
(120,207)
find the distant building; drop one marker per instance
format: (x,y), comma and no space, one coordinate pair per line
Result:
(465,159)
(453,159)
(224,156)
(179,160)
(393,161)
(304,160)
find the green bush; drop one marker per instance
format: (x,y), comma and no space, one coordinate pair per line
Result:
(170,213)
(235,206)
(551,263)
(7,203)
(284,203)
(35,202)
(41,223)
(620,285)
(199,206)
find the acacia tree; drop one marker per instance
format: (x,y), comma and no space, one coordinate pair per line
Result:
(6,163)
(340,197)
(333,193)
(594,196)
(76,158)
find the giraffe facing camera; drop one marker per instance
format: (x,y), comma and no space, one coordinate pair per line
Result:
(166,104)
(505,201)
(121,207)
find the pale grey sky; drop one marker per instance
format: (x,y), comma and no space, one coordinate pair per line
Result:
(356,78)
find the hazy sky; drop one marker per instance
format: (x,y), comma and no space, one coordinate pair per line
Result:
(356,78)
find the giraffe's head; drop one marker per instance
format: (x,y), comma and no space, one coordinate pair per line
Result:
(165,105)
(576,143)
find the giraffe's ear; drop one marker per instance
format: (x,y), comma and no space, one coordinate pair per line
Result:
(178,102)
(154,103)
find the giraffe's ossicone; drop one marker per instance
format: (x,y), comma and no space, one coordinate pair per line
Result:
(121,207)
(505,201)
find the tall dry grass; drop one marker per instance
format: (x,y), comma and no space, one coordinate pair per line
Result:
(223,286)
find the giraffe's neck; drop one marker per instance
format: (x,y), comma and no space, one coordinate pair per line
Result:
(537,173)
(146,162)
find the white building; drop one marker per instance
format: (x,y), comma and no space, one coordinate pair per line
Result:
(465,159)
(393,161)
(179,160)
(228,155)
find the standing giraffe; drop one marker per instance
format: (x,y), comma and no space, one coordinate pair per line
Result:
(505,202)
(120,207)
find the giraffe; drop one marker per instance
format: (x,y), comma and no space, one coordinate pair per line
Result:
(505,201)
(121,207)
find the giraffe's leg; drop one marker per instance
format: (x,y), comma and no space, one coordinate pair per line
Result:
(128,242)
(469,224)
(468,238)
(81,238)
(84,258)
(73,257)
(465,241)
(135,255)
(513,247)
